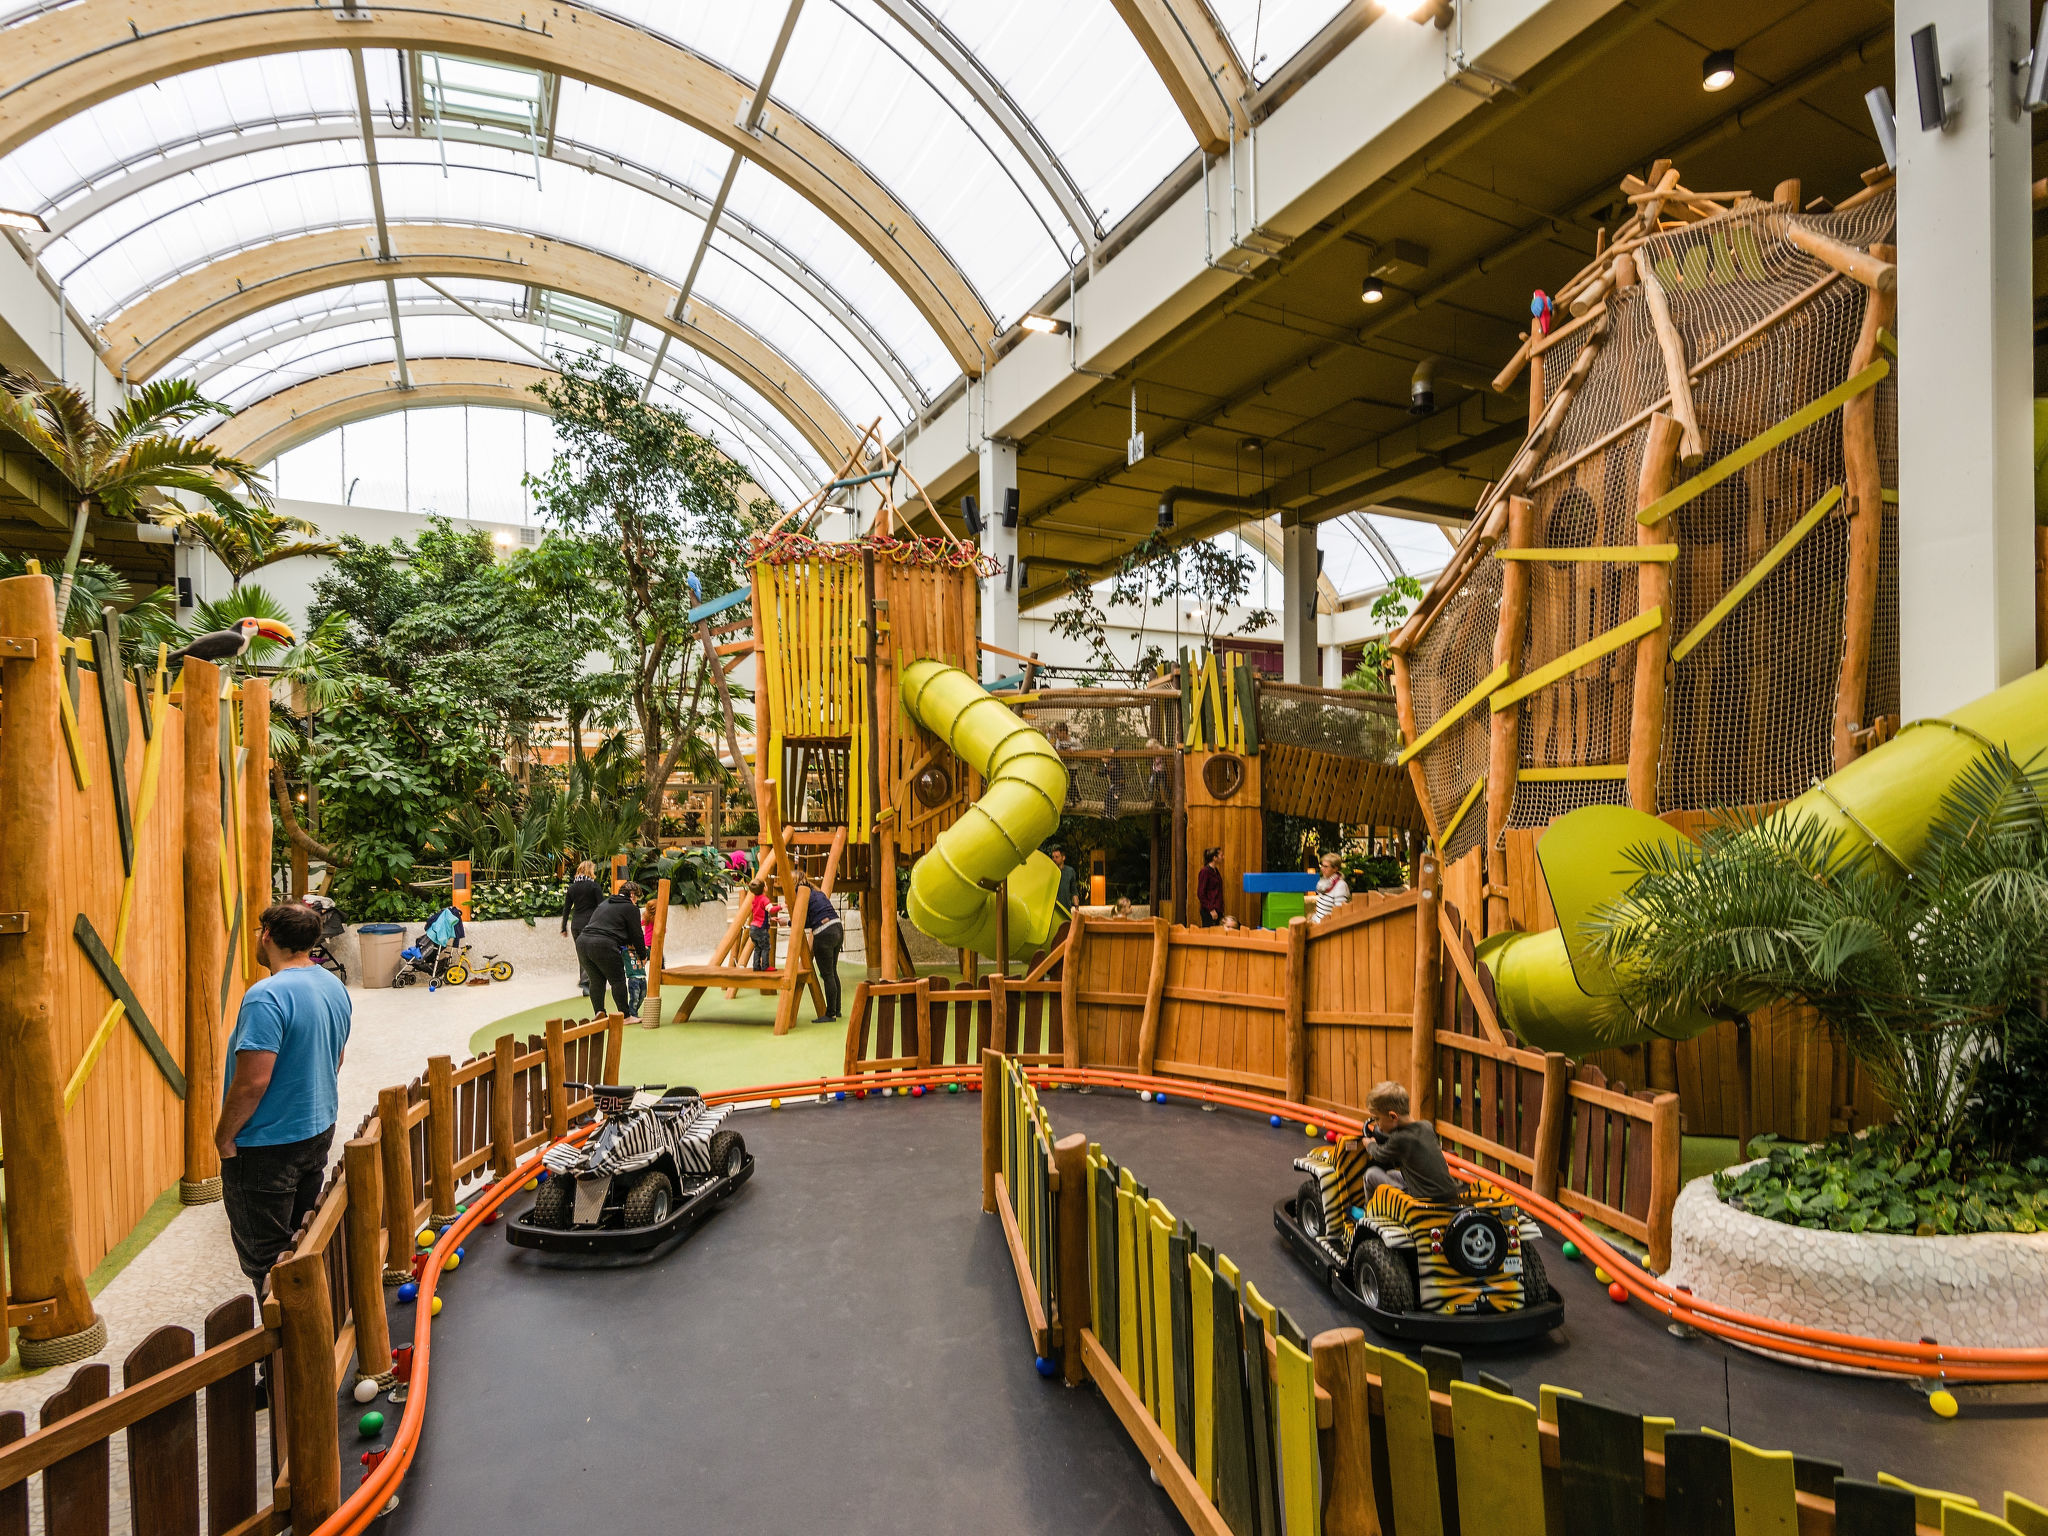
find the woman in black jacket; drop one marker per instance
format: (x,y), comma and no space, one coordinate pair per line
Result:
(614,926)
(578,902)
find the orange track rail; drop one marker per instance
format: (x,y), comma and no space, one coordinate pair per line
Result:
(1816,1344)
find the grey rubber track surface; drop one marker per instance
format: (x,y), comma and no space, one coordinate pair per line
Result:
(842,1348)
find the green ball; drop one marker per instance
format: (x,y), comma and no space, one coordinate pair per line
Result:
(952,1087)
(370,1425)
(1571,1250)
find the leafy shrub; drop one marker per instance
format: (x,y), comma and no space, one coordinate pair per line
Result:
(516,898)
(2011,1110)
(1885,1181)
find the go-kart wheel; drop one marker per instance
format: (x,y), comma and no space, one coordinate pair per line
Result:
(455,976)
(1379,1276)
(501,970)
(728,1154)
(555,1205)
(650,1200)
(1536,1289)
(1476,1243)
(1308,1210)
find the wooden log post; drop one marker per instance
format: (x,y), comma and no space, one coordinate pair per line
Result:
(205,937)
(311,1428)
(657,957)
(1070,996)
(256,831)
(558,1080)
(614,1046)
(1692,446)
(885,899)
(1341,1369)
(394,1145)
(42,1257)
(1504,754)
(364,1223)
(998,1019)
(1155,996)
(1745,1111)
(991,1126)
(1876,269)
(1664,1156)
(1863,504)
(504,1157)
(1552,1122)
(1428,960)
(1071,1314)
(440,1140)
(1653,590)
(1294,1025)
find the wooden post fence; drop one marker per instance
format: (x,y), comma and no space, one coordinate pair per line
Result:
(1428,951)
(312,1431)
(395,1146)
(363,1179)
(256,835)
(1295,1025)
(1070,1170)
(206,956)
(441,1139)
(504,1153)
(557,1077)
(657,956)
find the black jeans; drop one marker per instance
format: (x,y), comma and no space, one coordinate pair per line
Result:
(603,963)
(826,943)
(268,1191)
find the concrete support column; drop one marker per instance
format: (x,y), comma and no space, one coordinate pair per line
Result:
(999,592)
(1966,601)
(1333,666)
(1298,569)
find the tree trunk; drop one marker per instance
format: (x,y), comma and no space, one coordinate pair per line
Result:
(71,561)
(300,839)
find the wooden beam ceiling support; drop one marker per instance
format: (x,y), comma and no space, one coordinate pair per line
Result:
(1194,58)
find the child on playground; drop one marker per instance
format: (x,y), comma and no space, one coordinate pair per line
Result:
(1403,1152)
(758,919)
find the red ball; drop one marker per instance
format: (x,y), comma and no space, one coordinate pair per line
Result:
(917,1092)
(1617,1292)
(860,1093)
(1329,1136)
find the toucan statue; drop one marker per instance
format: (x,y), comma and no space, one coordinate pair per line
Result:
(226,644)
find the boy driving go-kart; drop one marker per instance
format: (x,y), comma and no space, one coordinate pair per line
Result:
(1417,1251)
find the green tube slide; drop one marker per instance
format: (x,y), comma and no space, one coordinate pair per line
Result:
(1559,996)
(953,889)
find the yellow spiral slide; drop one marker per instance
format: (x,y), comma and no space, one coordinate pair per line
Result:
(953,888)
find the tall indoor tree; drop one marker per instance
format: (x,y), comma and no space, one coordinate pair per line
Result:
(139,447)
(262,537)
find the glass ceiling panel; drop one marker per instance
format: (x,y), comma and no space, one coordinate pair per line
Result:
(1077,72)
(1267,33)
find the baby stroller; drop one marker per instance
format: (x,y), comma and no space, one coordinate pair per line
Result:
(331,927)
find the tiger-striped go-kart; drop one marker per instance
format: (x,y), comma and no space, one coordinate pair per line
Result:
(1466,1271)
(658,1164)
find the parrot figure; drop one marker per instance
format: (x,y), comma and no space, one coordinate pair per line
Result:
(1540,312)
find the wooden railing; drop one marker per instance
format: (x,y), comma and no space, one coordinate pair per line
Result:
(323,1317)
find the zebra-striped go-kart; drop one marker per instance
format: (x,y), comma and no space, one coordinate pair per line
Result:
(658,1164)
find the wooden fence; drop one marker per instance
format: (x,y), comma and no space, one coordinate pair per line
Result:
(134,858)
(323,1320)
(1250,1426)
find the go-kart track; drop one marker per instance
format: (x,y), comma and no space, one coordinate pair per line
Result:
(844,1343)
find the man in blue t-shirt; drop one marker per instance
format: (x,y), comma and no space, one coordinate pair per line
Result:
(280,1099)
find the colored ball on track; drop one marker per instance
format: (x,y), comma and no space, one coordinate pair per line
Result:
(1145,1095)
(1617,1292)
(370,1425)
(451,1261)
(1045,1366)
(1943,1403)
(409,1290)
(532,1184)
(952,1087)
(435,1309)
(1158,1098)
(775,1103)
(462,1210)
(1330,1136)
(366,1389)
(462,1252)
(1571,1250)
(1602,1276)
(491,1219)
(1274,1121)
(1309,1130)
(425,1239)
(917,1092)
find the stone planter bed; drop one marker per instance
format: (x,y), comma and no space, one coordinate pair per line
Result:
(1982,1291)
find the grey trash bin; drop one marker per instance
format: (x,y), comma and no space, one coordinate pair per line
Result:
(379,946)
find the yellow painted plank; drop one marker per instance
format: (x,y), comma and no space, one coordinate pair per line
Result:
(2026,1516)
(1095,1173)
(1578,656)
(1268,1313)
(1654,1431)
(1741,458)
(1456,712)
(1927,1502)
(1573,775)
(1163,1411)
(1960,1520)
(1546,1401)
(1464,805)
(1411,1446)
(1202,1345)
(1628,553)
(1756,573)
(1129,1348)
(1500,1462)
(1294,1432)
(1766,1494)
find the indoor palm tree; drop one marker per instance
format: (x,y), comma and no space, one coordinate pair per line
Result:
(247,544)
(138,448)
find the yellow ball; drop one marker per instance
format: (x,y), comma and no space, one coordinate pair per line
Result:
(1602,1276)
(1943,1403)
(451,1261)
(435,1310)
(532,1184)
(775,1103)
(1308,1130)
(426,1238)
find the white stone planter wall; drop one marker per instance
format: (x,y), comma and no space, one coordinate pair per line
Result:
(1982,1291)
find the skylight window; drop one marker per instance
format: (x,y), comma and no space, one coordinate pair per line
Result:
(580,317)
(507,104)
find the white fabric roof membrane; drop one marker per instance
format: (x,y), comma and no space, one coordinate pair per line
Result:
(1014,131)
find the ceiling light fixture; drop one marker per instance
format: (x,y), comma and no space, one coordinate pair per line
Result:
(11,218)
(1045,325)
(1372,292)
(1717,70)
(1412,9)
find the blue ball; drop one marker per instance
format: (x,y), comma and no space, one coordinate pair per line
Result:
(1158,1098)
(840,1096)
(1273,1120)
(407,1291)
(1045,1366)
(459,1253)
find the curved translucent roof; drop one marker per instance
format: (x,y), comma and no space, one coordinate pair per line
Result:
(1013,133)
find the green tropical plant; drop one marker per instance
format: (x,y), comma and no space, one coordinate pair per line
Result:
(261,537)
(1922,972)
(138,448)
(1375,669)
(1886,1180)
(146,620)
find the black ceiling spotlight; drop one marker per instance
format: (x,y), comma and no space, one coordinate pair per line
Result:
(970,514)
(1717,70)
(1372,292)
(1166,513)
(1929,82)
(1010,507)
